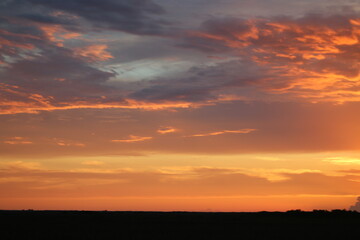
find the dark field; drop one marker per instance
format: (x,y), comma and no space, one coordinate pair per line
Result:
(63,225)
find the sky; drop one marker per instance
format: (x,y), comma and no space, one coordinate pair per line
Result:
(169,105)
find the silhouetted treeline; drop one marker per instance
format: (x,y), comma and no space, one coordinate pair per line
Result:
(64,225)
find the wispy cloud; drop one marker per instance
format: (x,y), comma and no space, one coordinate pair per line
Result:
(204,182)
(241,131)
(17,140)
(343,160)
(166,130)
(92,163)
(132,139)
(67,143)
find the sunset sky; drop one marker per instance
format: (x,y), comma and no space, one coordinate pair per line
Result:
(195,105)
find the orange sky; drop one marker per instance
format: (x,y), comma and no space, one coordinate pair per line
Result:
(152,106)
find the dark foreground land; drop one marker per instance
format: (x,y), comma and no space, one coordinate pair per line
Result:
(77,225)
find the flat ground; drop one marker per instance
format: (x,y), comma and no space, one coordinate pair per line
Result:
(178,225)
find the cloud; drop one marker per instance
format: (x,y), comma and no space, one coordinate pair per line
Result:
(51,81)
(231,80)
(20,166)
(137,17)
(92,163)
(356,207)
(44,57)
(16,107)
(343,160)
(38,75)
(283,127)
(132,139)
(16,39)
(242,131)
(351,171)
(313,57)
(27,181)
(44,62)
(269,62)
(167,130)
(94,53)
(67,143)
(17,140)
(6,42)
(309,58)
(57,34)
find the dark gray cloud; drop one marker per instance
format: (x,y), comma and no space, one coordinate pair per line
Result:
(16,39)
(57,74)
(132,16)
(203,82)
(34,59)
(227,34)
(257,56)
(311,55)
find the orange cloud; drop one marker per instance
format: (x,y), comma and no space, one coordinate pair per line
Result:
(166,130)
(132,139)
(66,143)
(94,52)
(21,35)
(306,129)
(93,163)
(8,43)
(18,100)
(34,103)
(243,131)
(14,107)
(57,34)
(310,58)
(343,160)
(17,140)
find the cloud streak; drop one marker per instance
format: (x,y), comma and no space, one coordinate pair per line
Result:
(167,130)
(132,139)
(17,140)
(241,131)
